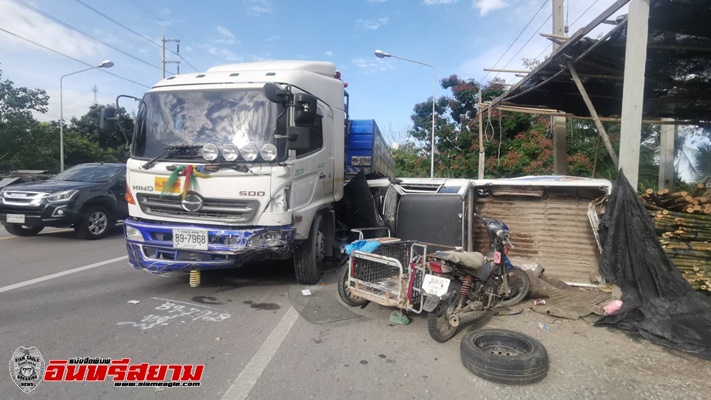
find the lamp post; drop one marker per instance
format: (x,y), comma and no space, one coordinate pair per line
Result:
(382,54)
(105,64)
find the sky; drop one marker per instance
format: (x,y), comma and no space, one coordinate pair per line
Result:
(459,37)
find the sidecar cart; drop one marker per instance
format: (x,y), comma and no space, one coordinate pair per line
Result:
(391,274)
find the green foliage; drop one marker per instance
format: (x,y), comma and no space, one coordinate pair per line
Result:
(30,144)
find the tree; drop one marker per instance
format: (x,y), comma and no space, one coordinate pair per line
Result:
(87,126)
(18,128)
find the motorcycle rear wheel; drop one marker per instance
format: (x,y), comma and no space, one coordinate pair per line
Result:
(519,285)
(438,324)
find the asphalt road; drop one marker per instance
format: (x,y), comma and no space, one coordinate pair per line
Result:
(260,337)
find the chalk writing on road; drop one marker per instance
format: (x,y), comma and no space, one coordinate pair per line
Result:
(172,310)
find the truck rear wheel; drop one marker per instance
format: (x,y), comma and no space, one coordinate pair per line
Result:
(309,257)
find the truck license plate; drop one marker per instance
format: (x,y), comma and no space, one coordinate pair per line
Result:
(194,239)
(16,218)
(435,285)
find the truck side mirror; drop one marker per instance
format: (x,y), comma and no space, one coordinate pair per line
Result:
(299,138)
(304,108)
(107,120)
(275,93)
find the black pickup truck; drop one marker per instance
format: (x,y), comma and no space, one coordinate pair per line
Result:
(88,197)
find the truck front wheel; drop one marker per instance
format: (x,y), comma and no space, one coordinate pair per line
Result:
(309,257)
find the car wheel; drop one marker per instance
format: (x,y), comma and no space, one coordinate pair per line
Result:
(23,230)
(504,356)
(96,223)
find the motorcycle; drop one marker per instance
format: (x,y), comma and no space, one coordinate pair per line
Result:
(460,287)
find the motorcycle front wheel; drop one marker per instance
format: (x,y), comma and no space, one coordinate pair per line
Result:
(438,320)
(519,286)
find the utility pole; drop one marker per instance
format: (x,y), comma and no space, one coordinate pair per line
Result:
(163,41)
(560,162)
(95,90)
(482,154)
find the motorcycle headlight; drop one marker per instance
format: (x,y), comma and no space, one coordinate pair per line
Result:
(268,152)
(62,196)
(210,152)
(249,152)
(230,152)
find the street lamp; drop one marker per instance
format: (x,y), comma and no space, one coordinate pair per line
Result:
(105,64)
(382,54)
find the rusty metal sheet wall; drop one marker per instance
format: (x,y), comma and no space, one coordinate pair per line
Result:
(552,230)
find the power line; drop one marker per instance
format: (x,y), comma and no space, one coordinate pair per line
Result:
(517,37)
(585,12)
(527,41)
(72,58)
(149,40)
(84,34)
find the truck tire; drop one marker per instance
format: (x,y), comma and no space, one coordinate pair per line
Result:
(344,293)
(95,223)
(504,356)
(22,230)
(309,257)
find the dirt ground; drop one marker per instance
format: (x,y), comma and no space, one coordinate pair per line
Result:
(600,363)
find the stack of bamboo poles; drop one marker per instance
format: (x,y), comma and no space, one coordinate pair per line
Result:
(683,223)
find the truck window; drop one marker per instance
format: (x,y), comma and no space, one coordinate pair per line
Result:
(316,136)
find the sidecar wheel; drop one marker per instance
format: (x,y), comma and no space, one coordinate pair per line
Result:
(504,356)
(343,292)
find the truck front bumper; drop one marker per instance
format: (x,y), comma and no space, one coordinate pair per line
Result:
(150,246)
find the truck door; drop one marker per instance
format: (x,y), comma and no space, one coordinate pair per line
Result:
(313,169)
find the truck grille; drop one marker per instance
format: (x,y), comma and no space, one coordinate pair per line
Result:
(221,210)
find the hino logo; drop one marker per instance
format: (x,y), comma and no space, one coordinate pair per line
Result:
(142,188)
(192,202)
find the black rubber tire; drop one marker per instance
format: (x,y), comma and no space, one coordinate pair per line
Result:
(520,285)
(437,321)
(343,292)
(21,230)
(504,356)
(309,257)
(96,222)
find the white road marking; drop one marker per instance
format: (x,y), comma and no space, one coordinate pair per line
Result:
(249,376)
(183,302)
(60,274)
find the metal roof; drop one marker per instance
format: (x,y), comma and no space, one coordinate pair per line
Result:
(678,67)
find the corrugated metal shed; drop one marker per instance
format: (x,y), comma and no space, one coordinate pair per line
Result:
(552,230)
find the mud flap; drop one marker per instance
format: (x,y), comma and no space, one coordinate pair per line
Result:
(431,302)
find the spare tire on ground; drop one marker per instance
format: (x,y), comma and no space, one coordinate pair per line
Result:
(504,356)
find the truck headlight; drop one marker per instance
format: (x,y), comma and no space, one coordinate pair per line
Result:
(230,152)
(133,234)
(210,152)
(62,196)
(266,239)
(249,152)
(268,152)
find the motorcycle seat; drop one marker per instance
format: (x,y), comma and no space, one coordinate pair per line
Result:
(468,259)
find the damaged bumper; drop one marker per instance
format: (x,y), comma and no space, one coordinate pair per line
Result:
(151,246)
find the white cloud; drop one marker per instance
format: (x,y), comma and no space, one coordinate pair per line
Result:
(437,2)
(258,7)
(372,64)
(328,53)
(372,25)
(487,6)
(30,25)
(226,36)
(223,54)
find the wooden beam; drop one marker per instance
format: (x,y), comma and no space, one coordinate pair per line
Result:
(511,71)
(549,111)
(593,113)
(666,156)
(633,89)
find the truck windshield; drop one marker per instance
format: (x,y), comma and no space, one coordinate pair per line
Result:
(198,117)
